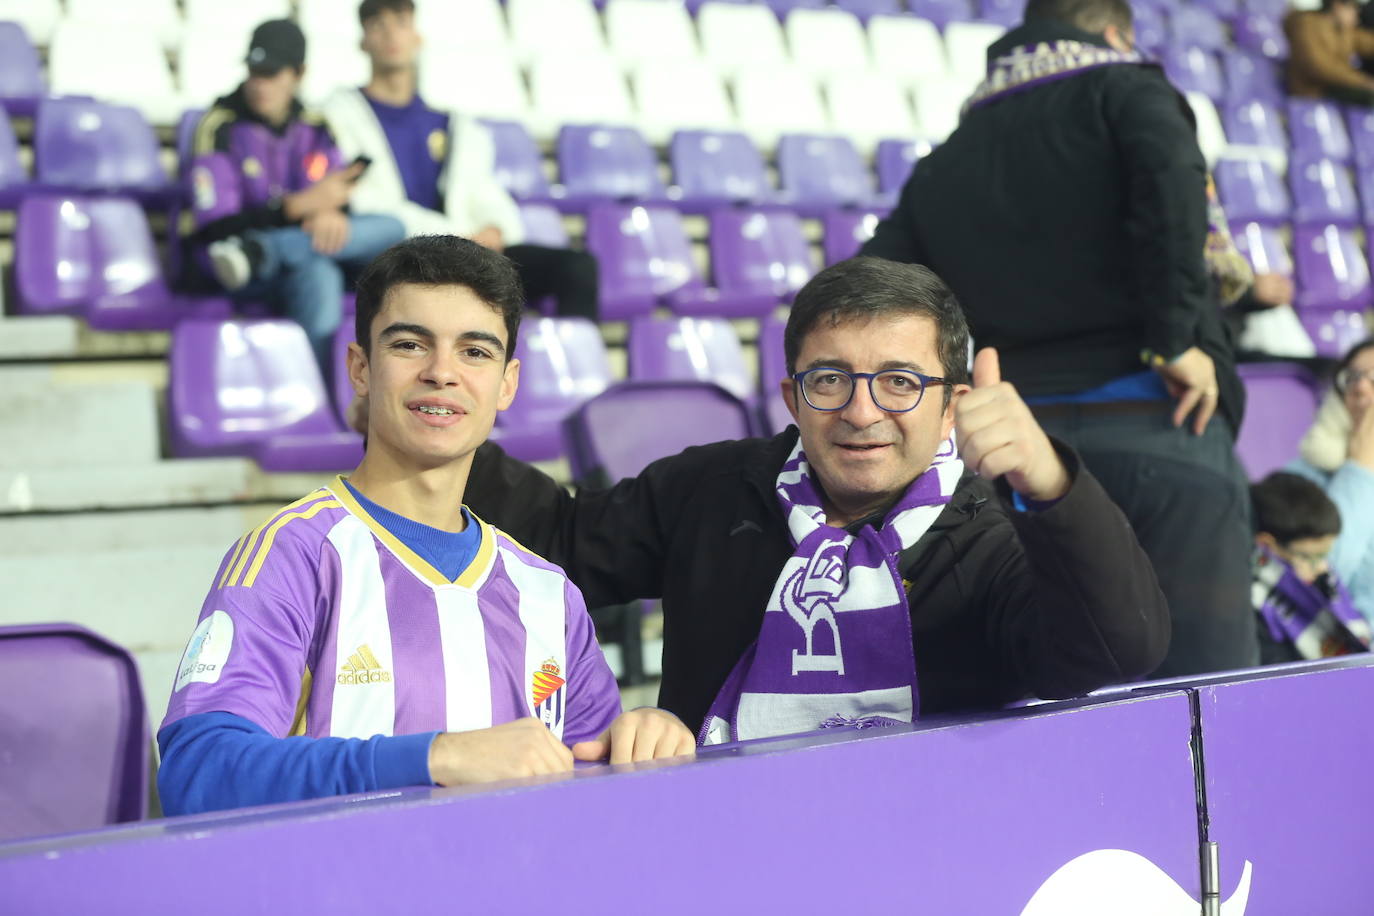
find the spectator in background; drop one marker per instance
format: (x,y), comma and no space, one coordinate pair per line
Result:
(1069,214)
(271,195)
(1304,611)
(1324,46)
(435,170)
(1338,454)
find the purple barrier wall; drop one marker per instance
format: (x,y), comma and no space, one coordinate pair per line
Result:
(953,816)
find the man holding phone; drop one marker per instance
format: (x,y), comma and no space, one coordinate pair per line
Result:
(270,194)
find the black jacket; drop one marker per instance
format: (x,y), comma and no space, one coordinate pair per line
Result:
(1070,220)
(1003,605)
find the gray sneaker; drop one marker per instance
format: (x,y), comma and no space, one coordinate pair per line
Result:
(232,263)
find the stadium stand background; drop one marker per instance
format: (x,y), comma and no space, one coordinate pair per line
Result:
(713,155)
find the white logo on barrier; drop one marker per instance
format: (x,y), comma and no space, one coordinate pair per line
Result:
(208,650)
(1128,884)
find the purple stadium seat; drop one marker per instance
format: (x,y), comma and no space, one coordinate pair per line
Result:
(1262,35)
(1274,9)
(943,12)
(599,164)
(783,7)
(759,257)
(1318,129)
(700,349)
(1360,125)
(894,161)
(1151,32)
(820,173)
(694,5)
(96,257)
(76,743)
(1194,69)
(772,370)
(1006,13)
(646,260)
(519,165)
(1264,246)
(14,178)
(87,146)
(1334,331)
(620,431)
(845,232)
(1255,123)
(1250,191)
(1196,27)
(562,364)
(543,225)
(1323,192)
(1250,77)
(186,139)
(21,74)
(1222,9)
(342,393)
(717,167)
(1282,399)
(1332,271)
(867,9)
(253,388)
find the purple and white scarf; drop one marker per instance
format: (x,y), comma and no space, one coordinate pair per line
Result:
(835,645)
(1034,65)
(1319,620)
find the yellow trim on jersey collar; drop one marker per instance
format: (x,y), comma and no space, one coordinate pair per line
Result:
(470,577)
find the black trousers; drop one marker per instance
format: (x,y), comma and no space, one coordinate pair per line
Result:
(1189,503)
(570,277)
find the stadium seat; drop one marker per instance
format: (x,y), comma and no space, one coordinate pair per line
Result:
(645,259)
(760,256)
(1264,246)
(894,161)
(37,17)
(14,178)
(84,145)
(240,17)
(714,168)
(77,748)
(772,370)
(689,349)
(1283,404)
(640,31)
(778,101)
(572,90)
(519,165)
(325,23)
(938,105)
(466,25)
(1194,69)
(1364,182)
(1335,331)
(238,387)
(906,49)
(1256,123)
(1360,126)
(600,164)
(845,233)
(966,46)
(1331,269)
(1007,13)
(21,74)
(1151,31)
(1211,138)
(867,9)
(210,64)
(943,12)
(138,76)
(543,226)
(827,41)
(819,173)
(784,8)
(694,6)
(331,64)
(736,37)
(1251,191)
(868,107)
(673,95)
(1317,129)
(1262,35)
(161,18)
(1192,25)
(1250,77)
(1323,192)
(95,257)
(565,28)
(563,363)
(478,82)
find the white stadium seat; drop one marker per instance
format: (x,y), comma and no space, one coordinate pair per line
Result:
(827,41)
(650,30)
(38,17)
(161,17)
(114,63)
(675,95)
(211,64)
(966,48)
(470,24)
(476,83)
(735,38)
(571,90)
(780,100)
(331,62)
(906,49)
(1211,136)
(868,107)
(541,28)
(938,103)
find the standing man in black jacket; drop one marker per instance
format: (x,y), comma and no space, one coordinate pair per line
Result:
(1068,212)
(845,570)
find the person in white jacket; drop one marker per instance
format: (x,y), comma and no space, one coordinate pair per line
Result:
(435,170)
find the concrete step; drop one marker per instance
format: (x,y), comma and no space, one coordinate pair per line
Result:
(71,426)
(48,337)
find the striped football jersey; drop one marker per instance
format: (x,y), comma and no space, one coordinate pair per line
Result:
(321,623)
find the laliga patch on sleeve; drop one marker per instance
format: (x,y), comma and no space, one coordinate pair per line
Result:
(207,651)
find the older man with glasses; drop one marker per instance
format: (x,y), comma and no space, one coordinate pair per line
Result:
(869,565)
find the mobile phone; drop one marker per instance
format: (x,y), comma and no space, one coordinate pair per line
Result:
(364,161)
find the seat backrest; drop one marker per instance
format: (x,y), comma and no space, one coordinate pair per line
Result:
(1323,192)
(1334,331)
(12,171)
(563,363)
(938,102)
(718,166)
(141,75)
(1331,269)
(608,163)
(827,41)
(1211,137)
(1264,246)
(845,233)
(571,90)
(543,226)
(21,73)
(331,64)
(784,8)
(1255,123)
(1360,125)
(772,370)
(75,742)
(778,101)
(643,253)
(701,349)
(539,28)
(1151,31)
(966,46)
(233,384)
(630,425)
(1282,403)
(906,48)
(867,9)
(1250,190)
(85,145)
(759,252)
(39,18)
(1190,24)
(676,94)
(472,25)
(650,30)
(1193,68)
(475,81)
(738,36)
(519,164)
(1317,129)
(868,108)
(210,63)
(161,17)
(1251,77)
(895,160)
(942,12)
(1260,35)
(825,170)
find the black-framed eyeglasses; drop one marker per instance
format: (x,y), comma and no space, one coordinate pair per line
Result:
(1349,377)
(892,390)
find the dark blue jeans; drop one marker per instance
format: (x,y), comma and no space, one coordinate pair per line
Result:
(1189,503)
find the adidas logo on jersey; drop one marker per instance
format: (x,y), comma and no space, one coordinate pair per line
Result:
(362,667)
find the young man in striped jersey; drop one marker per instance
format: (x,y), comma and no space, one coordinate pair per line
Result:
(376,634)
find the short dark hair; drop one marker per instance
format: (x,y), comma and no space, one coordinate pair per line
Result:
(440,260)
(370,9)
(1293,508)
(1351,355)
(865,288)
(1328,5)
(1089,15)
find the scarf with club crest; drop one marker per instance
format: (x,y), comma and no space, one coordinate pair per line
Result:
(1319,620)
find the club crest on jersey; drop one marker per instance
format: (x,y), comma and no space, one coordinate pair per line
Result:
(548,694)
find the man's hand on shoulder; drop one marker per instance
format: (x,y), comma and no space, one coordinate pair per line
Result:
(998,436)
(1192,379)
(646,733)
(515,750)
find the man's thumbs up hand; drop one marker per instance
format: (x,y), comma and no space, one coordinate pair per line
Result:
(997,435)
